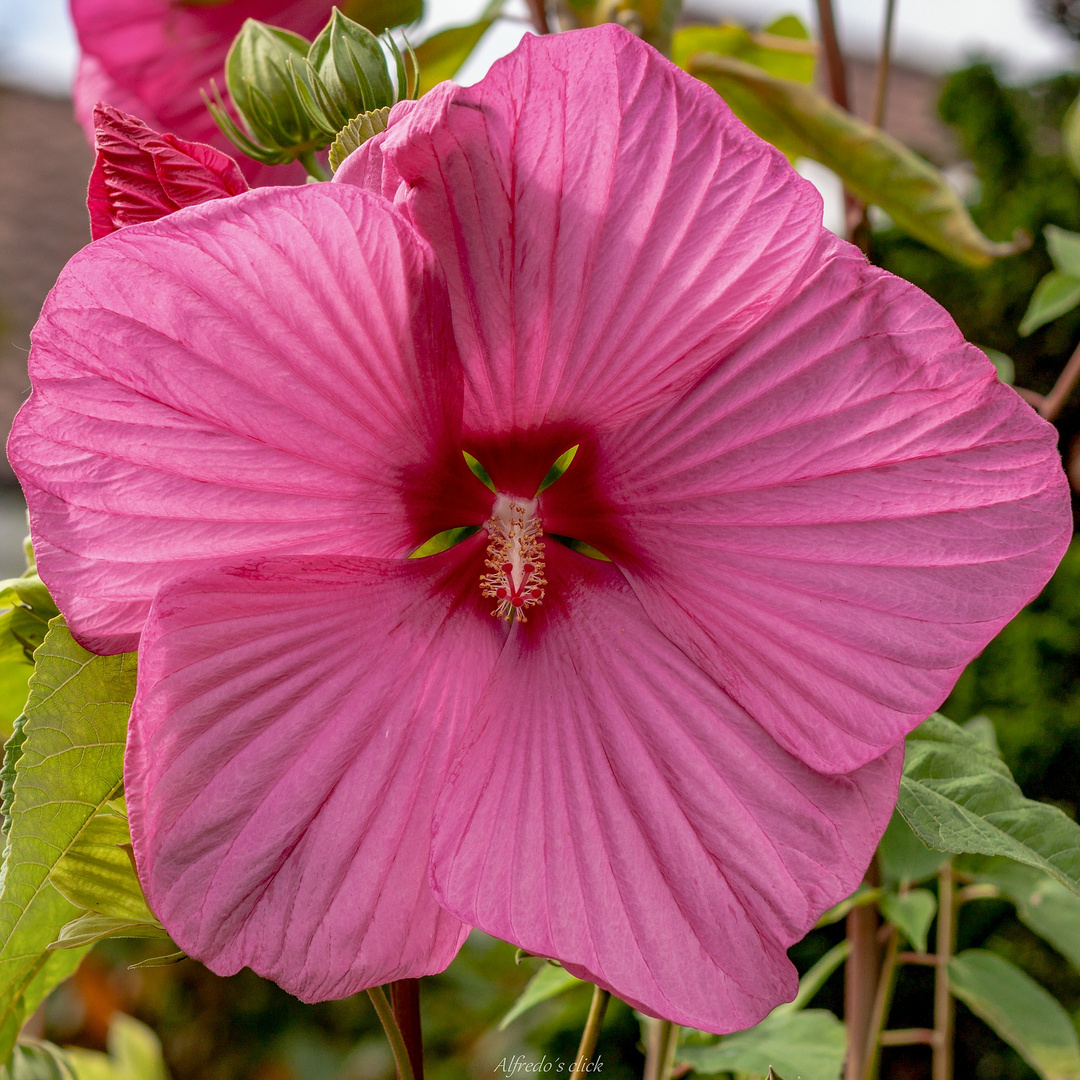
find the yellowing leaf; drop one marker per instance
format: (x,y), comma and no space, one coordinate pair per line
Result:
(874,166)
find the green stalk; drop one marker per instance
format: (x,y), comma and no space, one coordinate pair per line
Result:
(311,166)
(393,1032)
(591,1034)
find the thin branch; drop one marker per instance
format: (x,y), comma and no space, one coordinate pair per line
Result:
(881,82)
(943,1002)
(908,1037)
(882,1000)
(405,1001)
(538,15)
(833,57)
(1056,400)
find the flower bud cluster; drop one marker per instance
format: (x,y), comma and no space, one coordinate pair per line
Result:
(294,96)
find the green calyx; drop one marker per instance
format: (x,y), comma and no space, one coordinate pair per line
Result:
(294,97)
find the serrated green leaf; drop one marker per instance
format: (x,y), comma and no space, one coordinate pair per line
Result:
(903,857)
(71,764)
(545,984)
(96,872)
(1055,295)
(958,796)
(441,55)
(355,133)
(911,913)
(22,629)
(1022,1013)
(873,165)
(1044,905)
(809,1044)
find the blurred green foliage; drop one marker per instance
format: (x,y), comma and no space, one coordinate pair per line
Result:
(1012,138)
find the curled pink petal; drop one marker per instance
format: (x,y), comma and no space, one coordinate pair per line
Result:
(620,813)
(152,58)
(565,196)
(267,373)
(838,517)
(141,175)
(286,746)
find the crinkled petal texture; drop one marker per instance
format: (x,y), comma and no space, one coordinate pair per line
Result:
(268,373)
(613,808)
(292,729)
(152,58)
(838,517)
(607,228)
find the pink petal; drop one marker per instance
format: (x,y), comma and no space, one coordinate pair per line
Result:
(616,810)
(606,225)
(161,54)
(141,175)
(268,373)
(293,726)
(838,518)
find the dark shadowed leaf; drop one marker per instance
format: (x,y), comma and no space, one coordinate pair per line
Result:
(1019,1010)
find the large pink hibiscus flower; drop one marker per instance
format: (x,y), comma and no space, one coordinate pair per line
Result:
(817,504)
(151,58)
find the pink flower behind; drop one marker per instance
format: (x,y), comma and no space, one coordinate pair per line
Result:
(817,501)
(151,58)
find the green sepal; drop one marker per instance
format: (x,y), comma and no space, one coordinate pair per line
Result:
(350,62)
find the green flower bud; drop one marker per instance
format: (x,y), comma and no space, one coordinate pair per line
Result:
(293,98)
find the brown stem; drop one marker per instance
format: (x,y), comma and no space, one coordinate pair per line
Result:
(538,15)
(929,959)
(591,1034)
(660,1049)
(943,1002)
(833,57)
(881,82)
(861,975)
(908,1037)
(882,999)
(405,1001)
(1055,401)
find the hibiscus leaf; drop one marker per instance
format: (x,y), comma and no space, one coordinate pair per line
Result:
(71,764)
(134,1054)
(809,1044)
(22,629)
(903,857)
(1054,296)
(958,796)
(442,54)
(1044,905)
(875,167)
(911,913)
(548,982)
(1019,1010)
(96,873)
(783,48)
